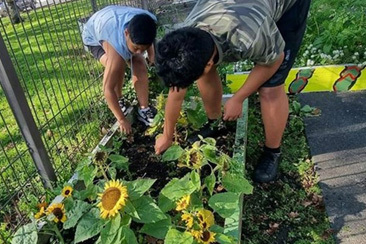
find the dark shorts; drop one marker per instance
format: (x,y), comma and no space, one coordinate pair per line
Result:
(292,26)
(96,51)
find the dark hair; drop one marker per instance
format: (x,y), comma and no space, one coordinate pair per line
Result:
(142,29)
(181,56)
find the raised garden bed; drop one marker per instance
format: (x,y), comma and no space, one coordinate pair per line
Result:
(124,193)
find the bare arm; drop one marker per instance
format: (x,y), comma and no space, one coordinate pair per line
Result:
(172,111)
(113,74)
(151,54)
(257,77)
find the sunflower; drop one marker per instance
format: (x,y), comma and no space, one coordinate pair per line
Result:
(188,219)
(66,191)
(183,203)
(112,199)
(42,204)
(195,159)
(196,234)
(58,210)
(40,213)
(207,237)
(206,218)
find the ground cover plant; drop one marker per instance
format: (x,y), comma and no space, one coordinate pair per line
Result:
(130,195)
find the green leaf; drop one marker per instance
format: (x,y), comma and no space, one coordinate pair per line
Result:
(147,210)
(176,237)
(27,234)
(177,188)
(196,117)
(224,239)
(112,172)
(87,174)
(90,192)
(90,225)
(138,187)
(210,153)
(173,153)
(236,183)
(119,161)
(165,204)
(210,182)
(128,236)
(74,214)
(307,109)
(110,231)
(196,180)
(158,229)
(130,210)
(225,204)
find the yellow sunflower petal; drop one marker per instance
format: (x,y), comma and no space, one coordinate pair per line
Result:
(188,219)
(207,237)
(183,203)
(67,191)
(206,218)
(112,199)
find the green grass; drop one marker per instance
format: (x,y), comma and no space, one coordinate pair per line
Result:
(63,89)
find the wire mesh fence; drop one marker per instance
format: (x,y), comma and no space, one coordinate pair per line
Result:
(62,88)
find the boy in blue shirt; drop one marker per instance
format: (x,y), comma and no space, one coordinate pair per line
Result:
(118,36)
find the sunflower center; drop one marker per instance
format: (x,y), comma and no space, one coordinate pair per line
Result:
(110,198)
(205,236)
(58,213)
(194,158)
(67,192)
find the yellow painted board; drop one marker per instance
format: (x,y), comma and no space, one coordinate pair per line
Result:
(315,79)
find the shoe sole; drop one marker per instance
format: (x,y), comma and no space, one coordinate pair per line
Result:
(143,121)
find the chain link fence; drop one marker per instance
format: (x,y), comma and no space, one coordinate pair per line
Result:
(51,103)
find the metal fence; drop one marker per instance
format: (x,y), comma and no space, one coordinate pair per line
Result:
(51,103)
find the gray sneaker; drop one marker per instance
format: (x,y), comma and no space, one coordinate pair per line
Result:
(147,115)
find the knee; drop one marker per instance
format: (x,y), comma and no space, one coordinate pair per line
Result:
(272,94)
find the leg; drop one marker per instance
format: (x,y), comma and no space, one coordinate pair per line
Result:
(140,80)
(275,109)
(118,87)
(210,88)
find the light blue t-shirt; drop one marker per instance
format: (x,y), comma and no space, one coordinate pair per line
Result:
(108,24)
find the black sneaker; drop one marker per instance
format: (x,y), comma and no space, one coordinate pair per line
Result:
(126,108)
(147,115)
(210,129)
(266,169)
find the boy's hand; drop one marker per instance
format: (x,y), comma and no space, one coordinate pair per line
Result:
(125,126)
(162,143)
(232,109)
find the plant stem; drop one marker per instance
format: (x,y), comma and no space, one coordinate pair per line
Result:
(103,172)
(58,234)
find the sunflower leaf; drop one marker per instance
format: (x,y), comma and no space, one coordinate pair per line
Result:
(173,153)
(176,237)
(90,225)
(110,231)
(225,204)
(210,182)
(158,229)
(138,187)
(237,183)
(75,213)
(27,234)
(119,161)
(125,236)
(147,210)
(177,188)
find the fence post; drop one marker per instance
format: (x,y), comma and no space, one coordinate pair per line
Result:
(22,113)
(144,4)
(94,5)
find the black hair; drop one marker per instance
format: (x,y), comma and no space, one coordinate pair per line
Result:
(182,55)
(142,29)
